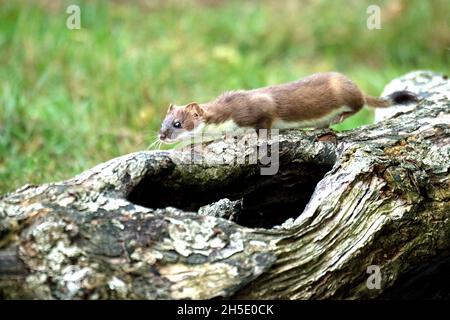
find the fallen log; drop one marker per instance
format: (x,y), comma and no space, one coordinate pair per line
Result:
(358,214)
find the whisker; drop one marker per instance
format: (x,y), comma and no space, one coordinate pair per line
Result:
(153,144)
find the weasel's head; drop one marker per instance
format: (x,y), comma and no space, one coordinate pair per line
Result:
(180,122)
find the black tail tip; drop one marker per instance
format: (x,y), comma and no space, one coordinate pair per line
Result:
(403,97)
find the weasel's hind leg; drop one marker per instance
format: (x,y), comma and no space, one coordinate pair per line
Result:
(353,107)
(341,117)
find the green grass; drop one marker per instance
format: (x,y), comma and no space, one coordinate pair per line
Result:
(70,99)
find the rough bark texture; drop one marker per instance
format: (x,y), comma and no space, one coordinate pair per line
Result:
(148,225)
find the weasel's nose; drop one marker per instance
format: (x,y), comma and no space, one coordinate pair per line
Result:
(162,136)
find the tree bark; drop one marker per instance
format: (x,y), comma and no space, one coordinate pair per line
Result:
(343,211)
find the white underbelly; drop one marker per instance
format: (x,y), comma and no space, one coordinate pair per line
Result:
(311,123)
(225,127)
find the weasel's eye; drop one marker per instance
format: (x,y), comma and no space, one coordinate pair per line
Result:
(177,124)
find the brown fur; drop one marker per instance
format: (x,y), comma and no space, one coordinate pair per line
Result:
(377,102)
(308,99)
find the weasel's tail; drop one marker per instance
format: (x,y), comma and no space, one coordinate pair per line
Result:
(398,97)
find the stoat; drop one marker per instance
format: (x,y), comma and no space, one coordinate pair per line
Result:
(316,101)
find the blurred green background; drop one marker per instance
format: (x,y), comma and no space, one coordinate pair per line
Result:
(70,99)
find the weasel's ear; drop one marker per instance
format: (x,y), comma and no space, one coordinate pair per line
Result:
(195,110)
(171,106)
